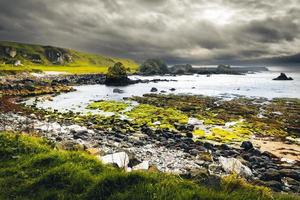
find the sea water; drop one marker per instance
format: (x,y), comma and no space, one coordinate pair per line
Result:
(226,86)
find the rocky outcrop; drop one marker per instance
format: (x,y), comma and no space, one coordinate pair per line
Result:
(12,52)
(283,77)
(121,159)
(233,165)
(117,75)
(35,58)
(181,69)
(154,67)
(57,55)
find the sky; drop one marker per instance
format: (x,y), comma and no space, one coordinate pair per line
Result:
(177,31)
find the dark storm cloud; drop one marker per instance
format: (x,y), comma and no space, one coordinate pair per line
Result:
(194,31)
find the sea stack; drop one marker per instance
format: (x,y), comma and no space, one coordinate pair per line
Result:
(283,77)
(117,75)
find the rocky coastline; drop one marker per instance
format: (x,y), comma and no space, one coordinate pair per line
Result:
(27,84)
(166,151)
(177,151)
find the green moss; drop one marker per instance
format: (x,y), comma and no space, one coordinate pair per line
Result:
(199,132)
(208,122)
(148,114)
(108,106)
(31,169)
(227,136)
(214,111)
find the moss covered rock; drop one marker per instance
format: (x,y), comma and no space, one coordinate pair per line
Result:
(117,75)
(153,67)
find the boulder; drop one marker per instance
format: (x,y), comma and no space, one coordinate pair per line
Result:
(275,185)
(292,173)
(271,175)
(233,165)
(117,75)
(154,67)
(247,145)
(18,63)
(121,159)
(181,69)
(194,152)
(189,135)
(12,52)
(283,77)
(142,166)
(153,89)
(117,90)
(76,129)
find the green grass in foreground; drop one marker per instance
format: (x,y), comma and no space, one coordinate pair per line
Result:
(31,169)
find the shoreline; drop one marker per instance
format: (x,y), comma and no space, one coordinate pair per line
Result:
(178,150)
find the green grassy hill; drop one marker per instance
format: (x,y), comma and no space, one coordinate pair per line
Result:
(30,168)
(48,58)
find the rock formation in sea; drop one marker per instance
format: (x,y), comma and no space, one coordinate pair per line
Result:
(283,77)
(154,67)
(181,69)
(117,75)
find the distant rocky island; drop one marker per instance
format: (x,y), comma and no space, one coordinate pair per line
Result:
(283,77)
(159,67)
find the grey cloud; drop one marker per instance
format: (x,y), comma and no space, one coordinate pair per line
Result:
(272,30)
(178,31)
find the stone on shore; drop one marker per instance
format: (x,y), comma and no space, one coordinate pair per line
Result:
(153,89)
(121,159)
(117,90)
(247,145)
(142,166)
(233,165)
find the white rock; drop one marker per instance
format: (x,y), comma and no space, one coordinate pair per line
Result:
(128,169)
(77,128)
(56,127)
(120,158)
(142,166)
(290,161)
(91,131)
(234,165)
(157,123)
(194,121)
